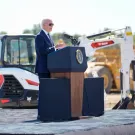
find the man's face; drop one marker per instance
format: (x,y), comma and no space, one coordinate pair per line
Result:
(48,25)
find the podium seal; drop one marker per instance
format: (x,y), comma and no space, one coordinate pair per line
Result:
(79,56)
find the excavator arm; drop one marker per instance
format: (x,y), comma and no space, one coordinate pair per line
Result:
(127,53)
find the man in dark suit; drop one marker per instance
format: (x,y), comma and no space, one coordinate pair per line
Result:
(44,45)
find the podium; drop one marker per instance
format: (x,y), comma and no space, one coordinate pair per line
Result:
(65,95)
(70,62)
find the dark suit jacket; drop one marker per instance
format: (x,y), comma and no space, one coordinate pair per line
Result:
(42,44)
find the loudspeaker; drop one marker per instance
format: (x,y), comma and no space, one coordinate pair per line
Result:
(93,97)
(54,99)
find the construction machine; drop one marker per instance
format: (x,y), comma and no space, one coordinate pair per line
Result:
(18,83)
(107,62)
(127,59)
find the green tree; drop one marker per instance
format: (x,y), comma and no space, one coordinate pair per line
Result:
(36,29)
(27,31)
(3,32)
(56,37)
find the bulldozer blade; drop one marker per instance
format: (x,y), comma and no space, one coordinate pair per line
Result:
(123,104)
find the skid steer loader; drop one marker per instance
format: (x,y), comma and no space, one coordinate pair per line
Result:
(18,83)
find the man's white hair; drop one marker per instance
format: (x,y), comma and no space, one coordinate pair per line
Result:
(44,21)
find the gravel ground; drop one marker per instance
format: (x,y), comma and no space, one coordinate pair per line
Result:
(24,121)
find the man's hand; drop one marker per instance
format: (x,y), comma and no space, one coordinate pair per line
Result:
(60,46)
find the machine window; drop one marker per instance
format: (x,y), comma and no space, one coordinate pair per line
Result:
(20,51)
(27,51)
(11,53)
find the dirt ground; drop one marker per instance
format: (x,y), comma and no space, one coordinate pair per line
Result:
(111,100)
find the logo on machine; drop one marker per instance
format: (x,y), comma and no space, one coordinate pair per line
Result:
(79,56)
(28,99)
(103,43)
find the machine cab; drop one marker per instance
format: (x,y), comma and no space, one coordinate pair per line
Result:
(18,51)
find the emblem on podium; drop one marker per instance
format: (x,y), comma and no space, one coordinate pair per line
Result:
(79,56)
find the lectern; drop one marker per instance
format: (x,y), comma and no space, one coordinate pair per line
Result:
(70,63)
(67,94)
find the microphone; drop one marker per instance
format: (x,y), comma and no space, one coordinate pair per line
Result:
(74,40)
(67,36)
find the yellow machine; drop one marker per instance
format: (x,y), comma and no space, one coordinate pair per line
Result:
(107,63)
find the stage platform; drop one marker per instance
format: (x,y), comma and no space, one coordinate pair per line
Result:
(23,121)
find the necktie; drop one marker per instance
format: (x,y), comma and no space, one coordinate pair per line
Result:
(50,38)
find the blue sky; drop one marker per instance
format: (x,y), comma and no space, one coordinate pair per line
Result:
(71,16)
